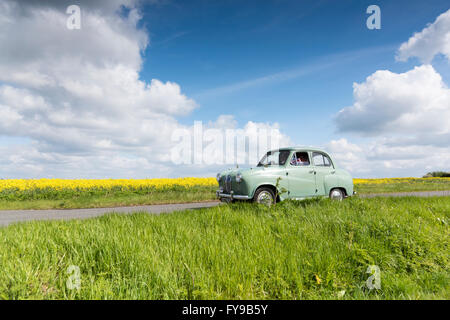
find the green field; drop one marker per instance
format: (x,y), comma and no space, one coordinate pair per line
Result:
(407,185)
(315,249)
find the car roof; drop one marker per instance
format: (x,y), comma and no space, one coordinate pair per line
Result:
(303,148)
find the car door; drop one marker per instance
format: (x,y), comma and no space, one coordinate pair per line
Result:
(324,172)
(301,178)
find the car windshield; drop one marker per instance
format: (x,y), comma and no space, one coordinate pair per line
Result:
(274,158)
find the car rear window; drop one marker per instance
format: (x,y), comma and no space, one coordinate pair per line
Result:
(321,160)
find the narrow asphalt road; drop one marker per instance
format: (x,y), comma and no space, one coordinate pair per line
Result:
(11,216)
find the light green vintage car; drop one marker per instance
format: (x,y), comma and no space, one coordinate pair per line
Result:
(287,173)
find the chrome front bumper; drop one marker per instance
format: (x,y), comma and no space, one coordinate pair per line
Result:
(231,195)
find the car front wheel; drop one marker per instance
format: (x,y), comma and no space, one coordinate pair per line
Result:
(337,194)
(264,196)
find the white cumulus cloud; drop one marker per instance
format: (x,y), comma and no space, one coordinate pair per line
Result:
(400,120)
(417,101)
(432,40)
(378,158)
(74,98)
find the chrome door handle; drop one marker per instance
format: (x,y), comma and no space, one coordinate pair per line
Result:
(312,171)
(333,172)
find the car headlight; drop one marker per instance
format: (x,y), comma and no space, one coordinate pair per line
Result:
(218,177)
(238,177)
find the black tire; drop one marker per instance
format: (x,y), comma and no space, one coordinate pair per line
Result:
(264,195)
(226,200)
(337,194)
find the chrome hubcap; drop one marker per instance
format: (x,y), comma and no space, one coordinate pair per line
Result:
(265,198)
(336,195)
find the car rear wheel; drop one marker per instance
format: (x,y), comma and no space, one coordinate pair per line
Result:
(337,194)
(264,196)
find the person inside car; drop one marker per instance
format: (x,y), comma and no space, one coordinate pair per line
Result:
(302,159)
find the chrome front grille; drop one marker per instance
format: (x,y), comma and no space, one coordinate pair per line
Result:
(227,184)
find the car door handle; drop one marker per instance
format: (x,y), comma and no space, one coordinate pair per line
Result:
(333,172)
(312,171)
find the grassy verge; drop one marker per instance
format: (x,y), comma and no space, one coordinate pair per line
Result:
(315,249)
(109,199)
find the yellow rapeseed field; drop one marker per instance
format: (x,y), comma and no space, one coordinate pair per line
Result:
(159,183)
(396,180)
(87,184)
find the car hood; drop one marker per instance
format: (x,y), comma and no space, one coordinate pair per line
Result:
(245,171)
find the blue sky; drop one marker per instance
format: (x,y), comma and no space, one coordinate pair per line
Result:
(103,100)
(209,46)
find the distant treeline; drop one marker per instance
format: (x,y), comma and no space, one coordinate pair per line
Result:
(441,174)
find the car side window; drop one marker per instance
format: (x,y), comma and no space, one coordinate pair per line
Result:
(300,159)
(326,161)
(284,155)
(321,160)
(317,159)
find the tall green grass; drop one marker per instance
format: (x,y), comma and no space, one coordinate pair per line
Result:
(316,249)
